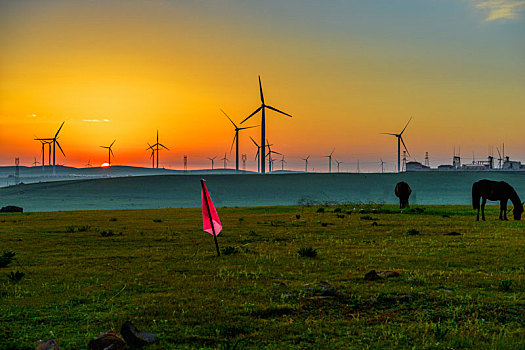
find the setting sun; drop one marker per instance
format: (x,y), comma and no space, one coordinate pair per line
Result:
(104,165)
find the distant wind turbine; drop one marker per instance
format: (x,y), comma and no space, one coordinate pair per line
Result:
(269,155)
(263,108)
(212,159)
(283,162)
(55,143)
(257,155)
(338,163)
(110,152)
(152,155)
(155,147)
(35,163)
(382,168)
(330,160)
(236,140)
(225,160)
(399,141)
(305,163)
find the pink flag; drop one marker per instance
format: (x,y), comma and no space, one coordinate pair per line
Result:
(209,213)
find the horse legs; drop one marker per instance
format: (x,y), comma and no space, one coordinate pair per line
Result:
(483,202)
(503,208)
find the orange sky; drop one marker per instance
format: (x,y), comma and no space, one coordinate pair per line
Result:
(346,72)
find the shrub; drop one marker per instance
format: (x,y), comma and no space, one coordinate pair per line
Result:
(324,224)
(320,210)
(337,210)
(241,220)
(113,219)
(297,216)
(70,229)
(412,232)
(15,276)
(6,258)
(341,216)
(84,228)
(229,250)
(505,285)
(107,233)
(307,252)
(157,220)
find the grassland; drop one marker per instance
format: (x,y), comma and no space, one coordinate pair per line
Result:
(88,272)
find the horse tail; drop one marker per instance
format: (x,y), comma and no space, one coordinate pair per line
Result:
(475,196)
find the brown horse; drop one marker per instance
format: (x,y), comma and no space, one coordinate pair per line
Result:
(496,191)
(403,191)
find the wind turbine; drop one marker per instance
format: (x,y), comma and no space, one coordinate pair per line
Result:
(35,163)
(262,108)
(152,155)
(257,156)
(225,160)
(399,141)
(330,160)
(212,159)
(44,142)
(337,164)
(89,163)
(110,152)
(157,148)
(499,159)
(305,164)
(269,155)
(282,163)
(236,140)
(382,168)
(55,143)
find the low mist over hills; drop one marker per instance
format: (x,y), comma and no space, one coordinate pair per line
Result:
(167,191)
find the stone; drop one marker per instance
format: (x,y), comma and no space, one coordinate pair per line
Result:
(389,273)
(372,276)
(453,233)
(327,290)
(109,340)
(374,223)
(136,338)
(50,344)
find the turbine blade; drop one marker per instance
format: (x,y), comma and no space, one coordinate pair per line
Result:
(260,90)
(406,149)
(112,143)
(111,151)
(248,117)
(161,145)
(233,142)
(248,127)
(401,133)
(254,141)
(387,133)
(59,129)
(275,109)
(150,146)
(229,118)
(58,144)
(276,152)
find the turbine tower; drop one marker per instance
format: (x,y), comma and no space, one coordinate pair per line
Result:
(236,140)
(212,159)
(330,161)
(110,152)
(156,147)
(382,164)
(263,108)
(399,141)
(257,155)
(305,164)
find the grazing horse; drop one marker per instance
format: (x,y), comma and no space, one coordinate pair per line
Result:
(403,191)
(496,191)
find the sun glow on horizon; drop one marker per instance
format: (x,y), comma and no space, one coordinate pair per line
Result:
(104,165)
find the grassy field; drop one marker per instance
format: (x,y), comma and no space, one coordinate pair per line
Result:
(88,272)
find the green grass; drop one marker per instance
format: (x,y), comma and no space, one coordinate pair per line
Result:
(160,270)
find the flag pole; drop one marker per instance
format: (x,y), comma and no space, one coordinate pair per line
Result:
(204,192)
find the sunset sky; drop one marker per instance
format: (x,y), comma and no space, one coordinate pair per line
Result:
(346,71)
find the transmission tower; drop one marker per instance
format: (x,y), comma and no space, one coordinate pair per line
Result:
(17,171)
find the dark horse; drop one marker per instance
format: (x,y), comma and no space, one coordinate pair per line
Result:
(403,191)
(496,191)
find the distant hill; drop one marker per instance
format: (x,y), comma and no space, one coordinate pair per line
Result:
(165,191)
(37,174)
